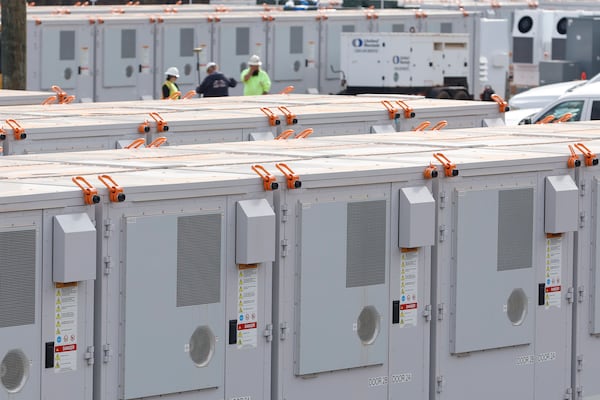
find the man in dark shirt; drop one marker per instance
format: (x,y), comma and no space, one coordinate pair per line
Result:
(215,84)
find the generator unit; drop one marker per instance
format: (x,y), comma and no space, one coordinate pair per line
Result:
(528,45)
(503,275)
(48,269)
(437,65)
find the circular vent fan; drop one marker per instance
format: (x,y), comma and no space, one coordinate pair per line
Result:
(368,325)
(561,26)
(525,24)
(202,346)
(14,370)
(516,306)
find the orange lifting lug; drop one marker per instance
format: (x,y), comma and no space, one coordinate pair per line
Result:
(304,134)
(190,94)
(49,100)
(287,90)
(290,117)
(439,125)
(293,180)
(285,134)
(502,105)
(589,157)
(144,127)
(546,120)
(408,111)
(61,95)
(2,133)
(269,181)
(18,131)
(137,143)
(421,127)
(449,167)
(563,118)
(392,111)
(430,172)
(90,193)
(115,191)
(273,119)
(573,161)
(157,142)
(161,124)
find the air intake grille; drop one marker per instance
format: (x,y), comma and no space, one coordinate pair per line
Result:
(14,370)
(366,243)
(198,260)
(515,229)
(17,278)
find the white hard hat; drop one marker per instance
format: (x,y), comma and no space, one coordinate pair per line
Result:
(254,60)
(210,65)
(173,71)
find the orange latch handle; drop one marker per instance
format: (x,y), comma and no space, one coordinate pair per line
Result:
(408,111)
(589,157)
(90,193)
(287,90)
(392,111)
(564,118)
(573,161)
(502,105)
(190,94)
(304,134)
(18,131)
(547,119)
(137,143)
(158,142)
(430,172)
(293,180)
(449,167)
(439,125)
(285,134)
(176,95)
(269,181)
(422,126)
(144,127)
(68,99)
(49,100)
(161,124)
(116,194)
(2,133)
(273,119)
(289,116)
(61,94)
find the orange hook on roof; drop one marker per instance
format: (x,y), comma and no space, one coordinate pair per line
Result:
(285,134)
(589,157)
(430,172)
(502,105)
(392,111)
(269,181)
(439,125)
(157,142)
(422,126)
(304,134)
(90,193)
(161,124)
(449,167)
(290,117)
(137,143)
(273,119)
(573,161)
(115,191)
(293,180)
(408,111)
(18,131)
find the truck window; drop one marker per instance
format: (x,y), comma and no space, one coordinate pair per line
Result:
(595,110)
(574,107)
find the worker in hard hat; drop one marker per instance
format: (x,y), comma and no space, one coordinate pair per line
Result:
(170,87)
(256,81)
(215,84)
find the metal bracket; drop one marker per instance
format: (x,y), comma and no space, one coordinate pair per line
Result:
(107,353)
(283,329)
(89,355)
(268,332)
(427,312)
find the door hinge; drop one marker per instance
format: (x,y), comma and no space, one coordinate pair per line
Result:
(108,227)
(442,233)
(107,265)
(582,189)
(569,295)
(107,353)
(284,212)
(580,293)
(442,200)
(427,312)
(582,219)
(579,391)
(268,332)
(283,330)
(568,394)
(439,383)
(579,362)
(440,311)
(284,246)
(89,355)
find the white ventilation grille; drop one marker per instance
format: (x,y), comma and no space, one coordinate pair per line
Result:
(202,346)
(367,324)
(14,370)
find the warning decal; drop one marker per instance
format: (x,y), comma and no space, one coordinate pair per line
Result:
(408,287)
(552,297)
(247,327)
(65,321)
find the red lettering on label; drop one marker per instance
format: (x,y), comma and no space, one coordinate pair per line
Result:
(550,289)
(408,306)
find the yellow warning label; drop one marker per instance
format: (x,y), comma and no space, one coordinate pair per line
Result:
(58,324)
(402,314)
(401,321)
(58,292)
(57,365)
(57,308)
(58,331)
(57,357)
(57,301)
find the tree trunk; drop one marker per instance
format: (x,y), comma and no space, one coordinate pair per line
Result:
(13,44)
